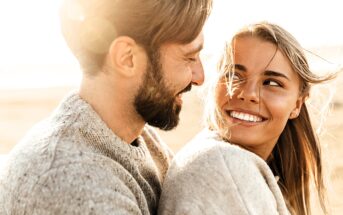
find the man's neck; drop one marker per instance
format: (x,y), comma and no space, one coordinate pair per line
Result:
(114,109)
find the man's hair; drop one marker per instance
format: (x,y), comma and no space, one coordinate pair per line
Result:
(90,26)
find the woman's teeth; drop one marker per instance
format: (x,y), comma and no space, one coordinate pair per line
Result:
(245,116)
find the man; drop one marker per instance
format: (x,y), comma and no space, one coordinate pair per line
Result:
(95,154)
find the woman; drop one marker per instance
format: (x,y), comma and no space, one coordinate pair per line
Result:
(259,153)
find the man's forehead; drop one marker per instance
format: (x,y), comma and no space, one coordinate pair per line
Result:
(195,46)
(185,49)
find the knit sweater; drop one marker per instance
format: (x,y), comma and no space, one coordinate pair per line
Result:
(72,163)
(211,176)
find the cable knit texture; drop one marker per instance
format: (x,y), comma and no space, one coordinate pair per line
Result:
(211,176)
(72,163)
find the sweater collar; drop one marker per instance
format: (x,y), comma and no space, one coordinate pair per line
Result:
(100,136)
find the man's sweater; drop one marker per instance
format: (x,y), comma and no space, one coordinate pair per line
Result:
(211,176)
(72,163)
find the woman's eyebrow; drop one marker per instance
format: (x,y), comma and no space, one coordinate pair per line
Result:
(266,73)
(240,67)
(274,73)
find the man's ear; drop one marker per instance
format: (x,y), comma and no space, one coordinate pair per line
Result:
(295,112)
(121,55)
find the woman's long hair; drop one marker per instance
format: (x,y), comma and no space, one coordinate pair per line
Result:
(296,158)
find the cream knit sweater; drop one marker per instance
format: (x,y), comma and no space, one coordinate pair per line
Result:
(72,163)
(211,176)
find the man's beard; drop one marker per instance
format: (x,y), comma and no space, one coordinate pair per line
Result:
(155,102)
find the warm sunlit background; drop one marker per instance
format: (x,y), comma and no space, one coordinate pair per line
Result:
(30,38)
(37,69)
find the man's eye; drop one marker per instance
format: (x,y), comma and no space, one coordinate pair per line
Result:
(192,59)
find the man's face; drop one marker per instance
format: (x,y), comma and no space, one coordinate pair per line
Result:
(171,71)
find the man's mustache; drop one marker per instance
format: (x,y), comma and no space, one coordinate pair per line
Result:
(188,88)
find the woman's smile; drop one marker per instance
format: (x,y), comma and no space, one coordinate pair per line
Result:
(244,116)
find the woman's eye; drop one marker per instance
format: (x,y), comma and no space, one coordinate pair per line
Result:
(233,76)
(272,83)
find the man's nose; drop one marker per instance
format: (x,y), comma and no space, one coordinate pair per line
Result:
(198,75)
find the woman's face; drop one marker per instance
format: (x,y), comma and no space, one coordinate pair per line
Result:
(265,98)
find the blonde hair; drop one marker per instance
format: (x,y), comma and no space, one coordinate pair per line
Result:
(296,158)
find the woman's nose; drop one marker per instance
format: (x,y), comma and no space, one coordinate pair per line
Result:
(249,91)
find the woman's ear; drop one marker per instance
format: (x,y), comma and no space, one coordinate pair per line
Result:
(121,55)
(295,112)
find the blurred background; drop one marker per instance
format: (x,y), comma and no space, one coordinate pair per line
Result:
(37,70)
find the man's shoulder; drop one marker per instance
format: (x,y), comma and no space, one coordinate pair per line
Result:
(76,185)
(48,153)
(51,147)
(62,175)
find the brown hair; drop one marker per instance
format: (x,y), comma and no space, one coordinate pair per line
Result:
(89,26)
(296,158)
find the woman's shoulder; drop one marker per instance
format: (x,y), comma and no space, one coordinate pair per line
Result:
(212,175)
(208,147)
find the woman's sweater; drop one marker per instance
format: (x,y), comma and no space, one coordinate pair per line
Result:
(211,176)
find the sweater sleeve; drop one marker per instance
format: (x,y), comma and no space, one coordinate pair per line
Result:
(220,180)
(74,189)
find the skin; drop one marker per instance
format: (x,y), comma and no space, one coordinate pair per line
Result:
(267,97)
(111,92)
(182,65)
